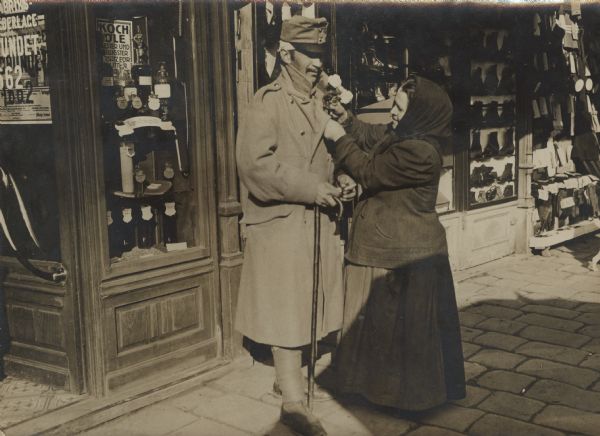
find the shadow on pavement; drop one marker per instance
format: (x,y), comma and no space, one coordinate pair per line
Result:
(532,366)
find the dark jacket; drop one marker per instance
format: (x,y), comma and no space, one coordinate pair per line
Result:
(395,222)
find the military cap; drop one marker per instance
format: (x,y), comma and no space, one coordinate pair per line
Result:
(305,34)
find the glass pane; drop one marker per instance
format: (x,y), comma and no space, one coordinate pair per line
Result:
(151,206)
(28,191)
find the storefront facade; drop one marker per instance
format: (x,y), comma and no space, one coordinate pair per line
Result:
(147,206)
(135,156)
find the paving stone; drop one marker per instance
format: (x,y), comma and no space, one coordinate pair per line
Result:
(468,333)
(587,297)
(497,359)
(560,372)
(553,336)
(596,387)
(470,319)
(495,311)
(494,425)
(427,430)
(554,392)
(468,287)
(589,307)
(549,291)
(469,349)
(561,303)
(452,417)
(499,340)
(208,427)
(501,325)
(505,381)
(250,415)
(550,322)
(148,421)
(587,283)
(473,370)
(552,352)
(359,419)
(592,361)
(511,405)
(589,318)
(475,395)
(551,311)
(592,346)
(571,420)
(592,330)
(483,279)
(510,298)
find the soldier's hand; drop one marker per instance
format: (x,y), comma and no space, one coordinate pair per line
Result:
(333,130)
(348,186)
(326,195)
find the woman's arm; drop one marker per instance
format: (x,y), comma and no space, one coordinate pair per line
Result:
(366,135)
(404,164)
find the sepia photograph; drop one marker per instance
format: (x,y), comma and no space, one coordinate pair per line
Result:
(290,217)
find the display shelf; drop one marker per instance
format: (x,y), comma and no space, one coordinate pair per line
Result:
(563,234)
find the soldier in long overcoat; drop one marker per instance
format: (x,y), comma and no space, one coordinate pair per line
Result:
(285,167)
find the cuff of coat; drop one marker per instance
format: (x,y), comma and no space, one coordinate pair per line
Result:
(305,191)
(342,147)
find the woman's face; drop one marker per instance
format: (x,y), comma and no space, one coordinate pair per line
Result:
(399,107)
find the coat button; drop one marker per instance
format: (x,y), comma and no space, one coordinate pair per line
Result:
(302,132)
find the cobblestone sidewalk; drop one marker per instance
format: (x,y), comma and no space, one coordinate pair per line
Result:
(531,331)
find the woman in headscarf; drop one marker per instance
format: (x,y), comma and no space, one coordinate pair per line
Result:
(401,344)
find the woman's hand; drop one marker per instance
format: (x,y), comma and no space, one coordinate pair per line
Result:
(337,111)
(348,186)
(333,131)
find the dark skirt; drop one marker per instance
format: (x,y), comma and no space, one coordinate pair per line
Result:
(401,344)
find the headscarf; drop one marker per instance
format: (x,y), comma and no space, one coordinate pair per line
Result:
(428,115)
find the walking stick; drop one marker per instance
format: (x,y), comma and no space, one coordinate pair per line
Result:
(315,308)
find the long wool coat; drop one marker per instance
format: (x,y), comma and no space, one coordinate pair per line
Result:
(281,157)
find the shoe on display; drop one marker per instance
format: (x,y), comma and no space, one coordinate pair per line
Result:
(491,44)
(506,85)
(298,418)
(476,152)
(477,113)
(477,87)
(491,79)
(508,112)
(492,148)
(492,118)
(507,174)
(508,147)
(481,196)
(492,193)
(488,175)
(476,177)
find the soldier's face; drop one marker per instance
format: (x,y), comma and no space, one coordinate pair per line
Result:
(310,64)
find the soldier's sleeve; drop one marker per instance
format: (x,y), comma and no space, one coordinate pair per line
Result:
(264,175)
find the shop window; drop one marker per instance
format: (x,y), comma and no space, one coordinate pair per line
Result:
(151,204)
(376,54)
(492,151)
(28,191)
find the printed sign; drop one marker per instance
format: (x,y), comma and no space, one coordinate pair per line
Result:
(116,44)
(24,90)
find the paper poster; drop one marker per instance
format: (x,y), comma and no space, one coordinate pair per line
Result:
(24,90)
(116,44)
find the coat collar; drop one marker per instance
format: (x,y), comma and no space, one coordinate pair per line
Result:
(310,107)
